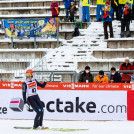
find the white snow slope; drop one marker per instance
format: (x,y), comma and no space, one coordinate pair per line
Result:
(95,127)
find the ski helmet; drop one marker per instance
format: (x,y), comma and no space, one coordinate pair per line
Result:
(29,72)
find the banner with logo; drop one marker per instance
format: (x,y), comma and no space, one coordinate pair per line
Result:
(74,86)
(74,101)
(29,27)
(72,105)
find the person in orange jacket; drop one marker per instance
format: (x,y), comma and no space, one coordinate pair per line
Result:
(101,78)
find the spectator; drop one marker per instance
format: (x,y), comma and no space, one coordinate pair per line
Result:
(130,3)
(100,5)
(125,20)
(133,65)
(107,19)
(121,6)
(126,78)
(85,10)
(86,76)
(55,9)
(80,10)
(115,77)
(132,12)
(132,76)
(67,6)
(101,78)
(72,12)
(114,4)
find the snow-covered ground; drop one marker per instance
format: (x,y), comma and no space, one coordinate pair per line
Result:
(95,127)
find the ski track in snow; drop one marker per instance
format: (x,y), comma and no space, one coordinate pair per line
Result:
(95,127)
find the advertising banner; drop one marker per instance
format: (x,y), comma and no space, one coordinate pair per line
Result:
(29,27)
(71,105)
(74,101)
(130,105)
(74,86)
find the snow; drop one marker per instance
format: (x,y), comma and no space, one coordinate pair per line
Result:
(33,15)
(23,50)
(79,49)
(28,8)
(121,49)
(28,15)
(121,39)
(14,1)
(105,60)
(95,127)
(32,8)
(30,40)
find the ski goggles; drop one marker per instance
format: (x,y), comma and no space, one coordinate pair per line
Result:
(29,74)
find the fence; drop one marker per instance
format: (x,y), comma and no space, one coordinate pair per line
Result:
(67,76)
(14,69)
(56,76)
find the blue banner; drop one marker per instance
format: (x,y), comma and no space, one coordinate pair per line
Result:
(30,27)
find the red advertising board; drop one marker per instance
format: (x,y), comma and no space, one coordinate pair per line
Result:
(73,86)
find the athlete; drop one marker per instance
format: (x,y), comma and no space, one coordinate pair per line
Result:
(31,98)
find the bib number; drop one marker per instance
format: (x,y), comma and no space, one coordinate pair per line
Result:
(34,90)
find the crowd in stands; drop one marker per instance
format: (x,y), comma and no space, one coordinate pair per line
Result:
(124,10)
(114,77)
(105,12)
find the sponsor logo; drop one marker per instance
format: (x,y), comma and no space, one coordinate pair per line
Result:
(114,109)
(11,85)
(73,86)
(32,84)
(127,86)
(52,85)
(132,86)
(3,110)
(82,107)
(70,107)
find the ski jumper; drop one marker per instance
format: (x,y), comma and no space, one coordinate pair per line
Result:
(30,96)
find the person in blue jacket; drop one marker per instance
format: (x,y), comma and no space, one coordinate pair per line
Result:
(107,19)
(86,10)
(100,5)
(67,6)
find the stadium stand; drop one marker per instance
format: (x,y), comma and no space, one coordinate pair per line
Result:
(89,48)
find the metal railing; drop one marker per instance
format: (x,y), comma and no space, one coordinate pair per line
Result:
(17,73)
(14,69)
(51,75)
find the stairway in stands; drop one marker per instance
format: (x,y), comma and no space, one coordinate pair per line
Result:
(91,49)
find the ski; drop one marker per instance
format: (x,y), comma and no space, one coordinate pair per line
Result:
(53,129)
